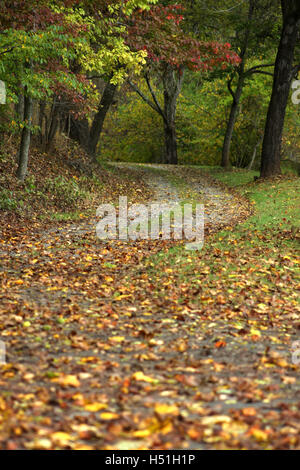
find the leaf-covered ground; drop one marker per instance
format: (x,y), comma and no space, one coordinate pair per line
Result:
(143,345)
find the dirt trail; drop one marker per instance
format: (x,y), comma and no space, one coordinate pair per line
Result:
(219,203)
(105,353)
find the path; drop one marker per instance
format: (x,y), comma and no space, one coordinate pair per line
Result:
(105,351)
(221,208)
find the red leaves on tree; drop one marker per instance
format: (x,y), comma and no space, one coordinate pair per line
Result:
(158,31)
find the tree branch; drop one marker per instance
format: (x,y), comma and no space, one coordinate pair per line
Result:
(154,96)
(230,89)
(262,72)
(295,70)
(8,50)
(257,67)
(144,97)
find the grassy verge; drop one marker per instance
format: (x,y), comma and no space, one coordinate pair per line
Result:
(238,177)
(250,269)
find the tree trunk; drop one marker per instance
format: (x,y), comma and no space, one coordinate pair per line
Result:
(231,123)
(239,90)
(250,166)
(283,75)
(97,125)
(53,126)
(19,108)
(79,131)
(171,156)
(25,139)
(172,81)
(42,107)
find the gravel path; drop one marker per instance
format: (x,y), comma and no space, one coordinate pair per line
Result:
(221,207)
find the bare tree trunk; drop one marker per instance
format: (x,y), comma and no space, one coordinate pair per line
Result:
(239,90)
(88,137)
(79,131)
(19,110)
(250,166)
(25,139)
(283,75)
(172,81)
(172,84)
(54,121)
(231,121)
(53,129)
(42,106)
(171,155)
(97,125)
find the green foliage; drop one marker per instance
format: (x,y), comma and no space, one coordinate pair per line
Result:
(290,167)
(102,50)
(233,178)
(17,70)
(291,141)
(133,132)
(8,201)
(64,192)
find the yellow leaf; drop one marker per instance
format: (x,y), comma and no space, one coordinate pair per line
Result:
(259,435)
(117,339)
(95,406)
(142,433)
(140,376)
(108,416)
(211,420)
(61,438)
(2,404)
(120,297)
(255,332)
(164,409)
(83,447)
(67,381)
(39,444)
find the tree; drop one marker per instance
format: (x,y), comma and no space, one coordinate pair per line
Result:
(107,57)
(39,46)
(48,51)
(284,72)
(170,52)
(254,36)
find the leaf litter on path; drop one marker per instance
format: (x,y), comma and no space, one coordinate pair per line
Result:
(106,352)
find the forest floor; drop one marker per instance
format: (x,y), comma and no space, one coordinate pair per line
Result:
(145,345)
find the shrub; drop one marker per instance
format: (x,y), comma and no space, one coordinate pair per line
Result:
(7,200)
(64,192)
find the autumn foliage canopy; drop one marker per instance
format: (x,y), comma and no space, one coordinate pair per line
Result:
(159,32)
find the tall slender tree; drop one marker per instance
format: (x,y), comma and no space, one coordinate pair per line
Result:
(170,51)
(254,37)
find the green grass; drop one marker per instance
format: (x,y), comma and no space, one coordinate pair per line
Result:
(277,205)
(62,216)
(238,177)
(255,253)
(233,177)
